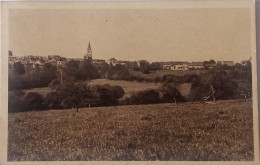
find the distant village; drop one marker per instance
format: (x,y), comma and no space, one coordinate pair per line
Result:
(32,61)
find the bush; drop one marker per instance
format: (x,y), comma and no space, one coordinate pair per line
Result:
(19,68)
(189,78)
(168,78)
(108,95)
(144,97)
(16,101)
(54,83)
(34,101)
(87,71)
(214,84)
(170,93)
(118,72)
(53,100)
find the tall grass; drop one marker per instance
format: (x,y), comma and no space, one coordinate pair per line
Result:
(186,131)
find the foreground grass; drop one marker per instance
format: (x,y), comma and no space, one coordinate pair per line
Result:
(188,131)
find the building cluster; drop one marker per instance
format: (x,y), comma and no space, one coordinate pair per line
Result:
(193,65)
(31,61)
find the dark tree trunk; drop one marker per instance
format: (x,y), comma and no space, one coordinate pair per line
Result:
(213,93)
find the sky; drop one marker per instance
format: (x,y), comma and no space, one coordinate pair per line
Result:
(191,34)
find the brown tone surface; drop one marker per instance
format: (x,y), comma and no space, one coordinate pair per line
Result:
(188,131)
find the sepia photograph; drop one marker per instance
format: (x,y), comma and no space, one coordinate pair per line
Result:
(140,81)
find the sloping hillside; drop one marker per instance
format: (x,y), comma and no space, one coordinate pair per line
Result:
(129,87)
(186,131)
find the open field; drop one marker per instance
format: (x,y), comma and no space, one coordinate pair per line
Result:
(43,91)
(129,87)
(161,73)
(186,131)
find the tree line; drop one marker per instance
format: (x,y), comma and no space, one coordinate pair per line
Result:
(214,85)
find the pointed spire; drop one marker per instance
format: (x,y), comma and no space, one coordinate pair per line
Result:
(89,47)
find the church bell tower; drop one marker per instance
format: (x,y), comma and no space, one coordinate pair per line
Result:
(89,53)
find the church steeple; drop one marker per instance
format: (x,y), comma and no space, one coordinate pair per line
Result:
(89,47)
(88,56)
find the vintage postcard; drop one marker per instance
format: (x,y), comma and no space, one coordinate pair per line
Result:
(148,82)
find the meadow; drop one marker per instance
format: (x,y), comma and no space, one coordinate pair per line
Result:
(161,73)
(129,87)
(186,131)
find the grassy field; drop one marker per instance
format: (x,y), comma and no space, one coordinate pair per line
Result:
(43,91)
(161,73)
(186,131)
(129,87)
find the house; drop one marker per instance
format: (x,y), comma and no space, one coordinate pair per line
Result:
(228,63)
(32,60)
(210,65)
(196,65)
(113,61)
(11,60)
(98,61)
(60,62)
(38,63)
(122,62)
(183,66)
(166,66)
(74,59)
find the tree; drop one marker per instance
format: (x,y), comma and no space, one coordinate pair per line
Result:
(71,71)
(170,92)
(19,68)
(53,100)
(10,53)
(149,96)
(247,66)
(215,84)
(48,73)
(108,95)
(87,71)
(238,66)
(155,66)
(212,61)
(75,94)
(16,101)
(144,66)
(118,72)
(117,92)
(102,68)
(34,101)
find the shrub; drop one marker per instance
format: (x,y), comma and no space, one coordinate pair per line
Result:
(215,84)
(108,95)
(149,96)
(34,101)
(19,68)
(118,72)
(16,101)
(54,83)
(189,78)
(170,92)
(168,78)
(53,100)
